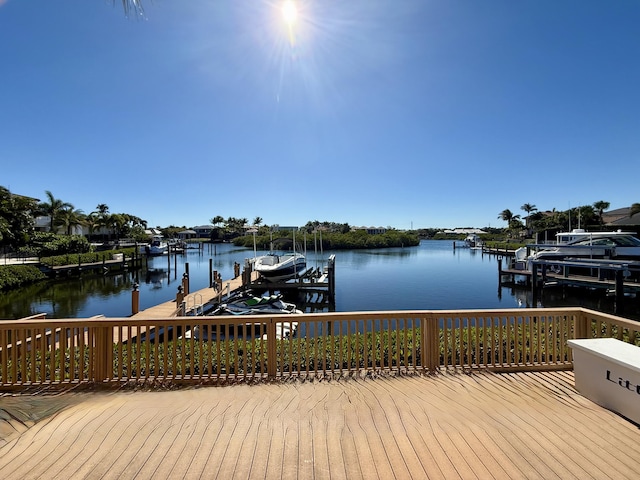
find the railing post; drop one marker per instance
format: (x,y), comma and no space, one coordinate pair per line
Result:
(103,356)
(430,344)
(272,351)
(581,329)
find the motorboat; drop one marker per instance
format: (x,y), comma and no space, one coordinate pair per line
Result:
(473,241)
(158,246)
(566,238)
(273,267)
(609,245)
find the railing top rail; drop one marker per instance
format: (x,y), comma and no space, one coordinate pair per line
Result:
(309,317)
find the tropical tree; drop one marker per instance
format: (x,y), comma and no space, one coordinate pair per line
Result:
(102,209)
(587,215)
(91,221)
(53,208)
(600,207)
(69,218)
(16,218)
(507,216)
(527,207)
(257,221)
(217,220)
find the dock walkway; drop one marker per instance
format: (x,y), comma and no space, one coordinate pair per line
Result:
(204,296)
(444,426)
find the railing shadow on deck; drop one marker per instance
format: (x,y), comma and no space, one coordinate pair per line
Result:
(214,350)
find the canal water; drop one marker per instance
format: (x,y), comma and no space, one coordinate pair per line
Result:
(431,276)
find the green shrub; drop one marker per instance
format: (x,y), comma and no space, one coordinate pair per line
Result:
(14,276)
(83,258)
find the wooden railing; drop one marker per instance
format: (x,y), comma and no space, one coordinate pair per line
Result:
(37,351)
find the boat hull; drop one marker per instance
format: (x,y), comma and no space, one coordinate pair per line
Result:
(280,267)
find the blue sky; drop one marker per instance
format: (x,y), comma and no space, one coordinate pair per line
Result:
(399,113)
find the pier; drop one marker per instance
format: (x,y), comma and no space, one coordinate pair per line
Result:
(316,287)
(119,262)
(614,276)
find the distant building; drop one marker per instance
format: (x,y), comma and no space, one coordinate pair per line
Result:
(152,232)
(464,231)
(187,234)
(203,231)
(371,230)
(277,228)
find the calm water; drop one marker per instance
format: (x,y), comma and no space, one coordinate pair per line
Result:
(429,276)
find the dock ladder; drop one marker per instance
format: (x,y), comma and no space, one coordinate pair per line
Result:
(194,305)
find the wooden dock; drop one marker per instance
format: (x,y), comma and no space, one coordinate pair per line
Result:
(316,287)
(607,275)
(102,266)
(204,297)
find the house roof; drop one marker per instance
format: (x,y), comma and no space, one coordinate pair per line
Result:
(620,217)
(465,231)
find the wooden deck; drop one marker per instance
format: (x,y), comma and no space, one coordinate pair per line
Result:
(481,425)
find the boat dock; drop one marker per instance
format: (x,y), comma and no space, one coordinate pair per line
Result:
(316,292)
(316,287)
(119,263)
(187,302)
(614,276)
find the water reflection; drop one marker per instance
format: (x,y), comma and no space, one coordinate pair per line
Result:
(431,276)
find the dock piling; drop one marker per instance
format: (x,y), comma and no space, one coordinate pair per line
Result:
(135,299)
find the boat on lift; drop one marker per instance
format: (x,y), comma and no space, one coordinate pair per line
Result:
(273,267)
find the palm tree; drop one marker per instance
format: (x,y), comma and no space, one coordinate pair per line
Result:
(635,208)
(92,223)
(99,218)
(257,221)
(600,207)
(116,222)
(527,207)
(102,209)
(53,208)
(69,218)
(217,220)
(506,215)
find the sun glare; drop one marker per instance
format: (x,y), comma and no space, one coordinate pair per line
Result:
(289,12)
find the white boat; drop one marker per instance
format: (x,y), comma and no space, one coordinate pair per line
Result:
(565,238)
(610,245)
(274,267)
(473,241)
(158,246)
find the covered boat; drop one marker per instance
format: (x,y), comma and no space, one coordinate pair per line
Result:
(274,267)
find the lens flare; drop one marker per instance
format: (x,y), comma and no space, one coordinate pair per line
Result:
(289,12)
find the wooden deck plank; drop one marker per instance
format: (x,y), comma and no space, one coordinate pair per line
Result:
(483,425)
